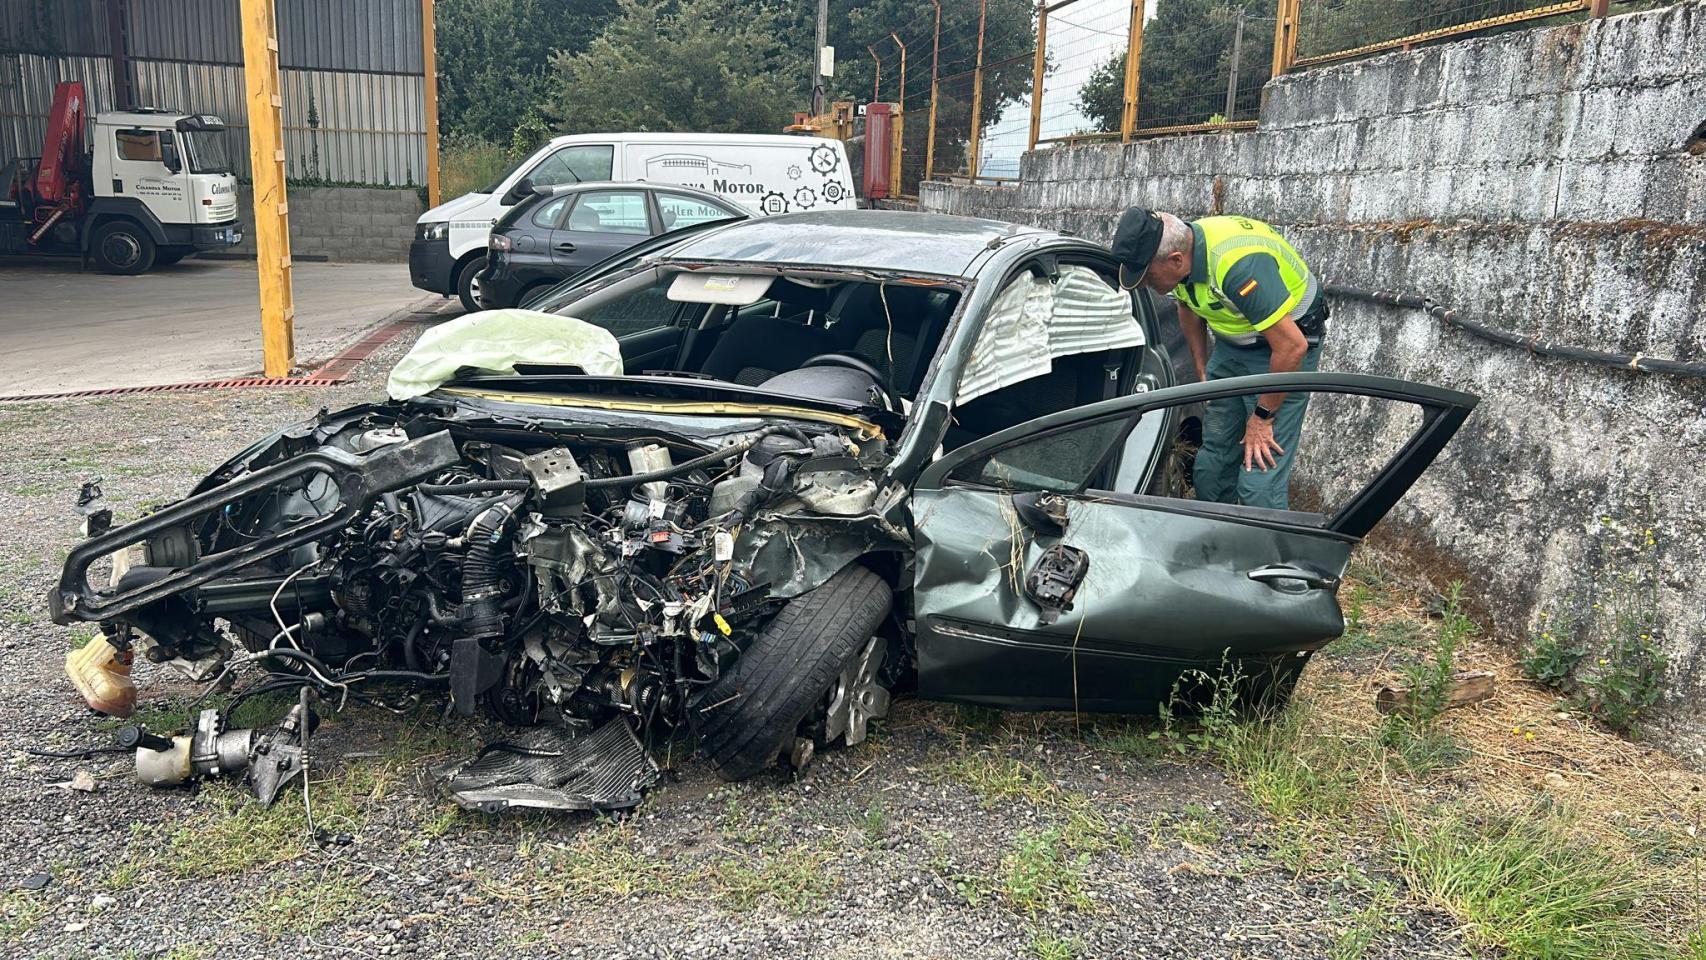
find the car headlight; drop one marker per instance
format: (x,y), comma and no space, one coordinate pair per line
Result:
(432,231)
(499,242)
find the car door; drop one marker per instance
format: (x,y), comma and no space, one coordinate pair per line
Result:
(679,210)
(1039,585)
(598,225)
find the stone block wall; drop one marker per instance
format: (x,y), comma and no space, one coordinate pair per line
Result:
(341,223)
(1550,182)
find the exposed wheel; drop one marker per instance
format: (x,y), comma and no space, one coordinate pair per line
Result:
(822,644)
(468,284)
(121,246)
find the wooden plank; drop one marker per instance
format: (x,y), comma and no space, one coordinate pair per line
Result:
(267,169)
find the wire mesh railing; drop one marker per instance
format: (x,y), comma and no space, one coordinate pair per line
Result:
(976,83)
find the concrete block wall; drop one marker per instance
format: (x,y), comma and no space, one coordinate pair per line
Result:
(1550,182)
(342,223)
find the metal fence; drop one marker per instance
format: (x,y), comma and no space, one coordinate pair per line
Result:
(350,74)
(1081,71)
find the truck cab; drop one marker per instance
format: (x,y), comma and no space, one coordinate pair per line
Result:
(150,188)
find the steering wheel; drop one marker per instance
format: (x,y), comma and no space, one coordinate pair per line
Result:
(860,364)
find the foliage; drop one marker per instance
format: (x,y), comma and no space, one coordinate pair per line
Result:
(1628,677)
(493,58)
(1187,58)
(1553,653)
(702,65)
(1526,886)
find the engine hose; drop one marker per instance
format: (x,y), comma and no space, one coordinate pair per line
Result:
(1452,318)
(714,457)
(481,613)
(472,486)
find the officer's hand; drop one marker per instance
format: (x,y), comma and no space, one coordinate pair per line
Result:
(1260,448)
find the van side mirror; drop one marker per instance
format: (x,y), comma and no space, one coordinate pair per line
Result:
(517,193)
(169,152)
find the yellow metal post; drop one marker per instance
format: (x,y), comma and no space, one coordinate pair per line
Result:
(977,93)
(1285,35)
(429,84)
(266,166)
(1037,74)
(1133,63)
(935,62)
(896,147)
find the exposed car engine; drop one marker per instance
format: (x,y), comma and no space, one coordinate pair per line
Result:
(594,585)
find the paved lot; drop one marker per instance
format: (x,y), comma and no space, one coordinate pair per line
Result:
(63,330)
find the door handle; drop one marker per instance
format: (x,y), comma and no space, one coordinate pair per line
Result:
(566,247)
(1279,575)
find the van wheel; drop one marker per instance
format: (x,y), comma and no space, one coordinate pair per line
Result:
(123,247)
(468,284)
(803,658)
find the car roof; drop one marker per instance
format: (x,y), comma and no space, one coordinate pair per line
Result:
(895,241)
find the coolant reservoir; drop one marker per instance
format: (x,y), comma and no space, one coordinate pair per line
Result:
(102,675)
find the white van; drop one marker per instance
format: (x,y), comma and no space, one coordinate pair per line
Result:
(769,174)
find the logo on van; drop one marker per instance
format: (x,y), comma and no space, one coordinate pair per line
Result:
(824,159)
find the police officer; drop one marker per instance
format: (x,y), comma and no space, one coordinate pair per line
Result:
(1240,280)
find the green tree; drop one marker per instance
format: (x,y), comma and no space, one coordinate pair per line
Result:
(712,65)
(1187,58)
(494,59)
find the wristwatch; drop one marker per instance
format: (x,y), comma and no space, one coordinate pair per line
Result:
(1263,413)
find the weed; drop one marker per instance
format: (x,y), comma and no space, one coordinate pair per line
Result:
(1049,946)
(20,911)
(874,821)
(604,863)
(1553,653)
(1041,875)
(306,906)
(794,880)
(123,877)
(1001,779)
(1627,679)
(1524,886)
(241,835)
(1367,926)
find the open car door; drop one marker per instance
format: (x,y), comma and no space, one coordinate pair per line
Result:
(1058,566)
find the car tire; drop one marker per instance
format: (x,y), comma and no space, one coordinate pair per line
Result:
(167,256)
(122,247)
(533,292)
(467,286)
(749,714)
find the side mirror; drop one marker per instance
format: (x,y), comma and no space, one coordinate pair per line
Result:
(169,152)
(517,193)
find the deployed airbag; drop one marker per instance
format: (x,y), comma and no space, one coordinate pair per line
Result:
(495,341)
(1037,319)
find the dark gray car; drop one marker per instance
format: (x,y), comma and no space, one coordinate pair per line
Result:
(850,454)
(553,233)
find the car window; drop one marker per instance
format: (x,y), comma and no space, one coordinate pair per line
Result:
(610,211)
(1195,452)
(585,163)
(138,145)
(679,210)
(1058,462)
(634,305)
(550,213)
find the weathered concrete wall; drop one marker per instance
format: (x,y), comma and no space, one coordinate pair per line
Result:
(341,223)
(1551,182)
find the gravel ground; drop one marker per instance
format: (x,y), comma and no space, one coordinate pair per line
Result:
(952,833)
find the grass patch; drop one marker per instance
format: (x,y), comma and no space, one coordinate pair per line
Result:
(20,912)
(796,880)
(1042,875)
(1524,885)
(1045,945)
(1000,780)
(298,908)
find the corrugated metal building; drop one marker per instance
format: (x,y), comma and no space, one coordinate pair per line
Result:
(350,75)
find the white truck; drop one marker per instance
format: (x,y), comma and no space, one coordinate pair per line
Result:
(130,190)
(765,173)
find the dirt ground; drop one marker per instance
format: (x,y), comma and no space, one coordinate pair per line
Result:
(951,833)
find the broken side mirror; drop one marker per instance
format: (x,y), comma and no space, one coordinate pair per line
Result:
(1044,513)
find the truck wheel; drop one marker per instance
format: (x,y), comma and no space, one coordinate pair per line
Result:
(166,256)
(753,710)
(120,246)
(468,287)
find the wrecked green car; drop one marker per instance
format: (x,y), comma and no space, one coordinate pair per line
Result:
(748,480)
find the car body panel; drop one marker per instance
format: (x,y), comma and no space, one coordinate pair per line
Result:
(1173,585)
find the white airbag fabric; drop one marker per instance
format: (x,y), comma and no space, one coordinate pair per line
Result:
(495,341)
(1033,321)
